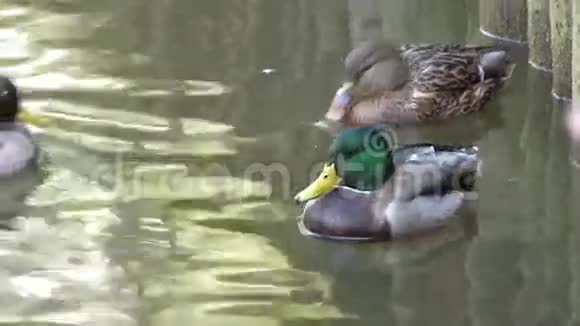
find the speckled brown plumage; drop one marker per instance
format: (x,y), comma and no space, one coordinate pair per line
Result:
(420,82)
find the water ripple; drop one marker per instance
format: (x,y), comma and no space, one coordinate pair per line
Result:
(57,82)
(112,179)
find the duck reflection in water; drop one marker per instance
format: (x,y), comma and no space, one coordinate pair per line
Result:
(573,124)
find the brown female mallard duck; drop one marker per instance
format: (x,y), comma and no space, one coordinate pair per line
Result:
(417,83)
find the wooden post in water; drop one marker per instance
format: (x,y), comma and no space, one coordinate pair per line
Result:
(539,34)
(504,19)
(576,54)
(575,205)
(561,31)
(576,71)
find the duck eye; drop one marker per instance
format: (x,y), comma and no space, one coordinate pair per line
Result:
(326,177)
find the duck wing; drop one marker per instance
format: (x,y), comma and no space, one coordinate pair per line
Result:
(430,169)
(443,67)
(426,189)
(446,72)
(416,54)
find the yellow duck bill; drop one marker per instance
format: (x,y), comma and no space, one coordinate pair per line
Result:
(32,119)
(326,181)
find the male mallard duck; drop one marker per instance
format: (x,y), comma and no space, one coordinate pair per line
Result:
(371,190)
(17,148)
(417,83)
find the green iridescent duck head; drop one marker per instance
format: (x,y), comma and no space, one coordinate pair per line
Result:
(359,158)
